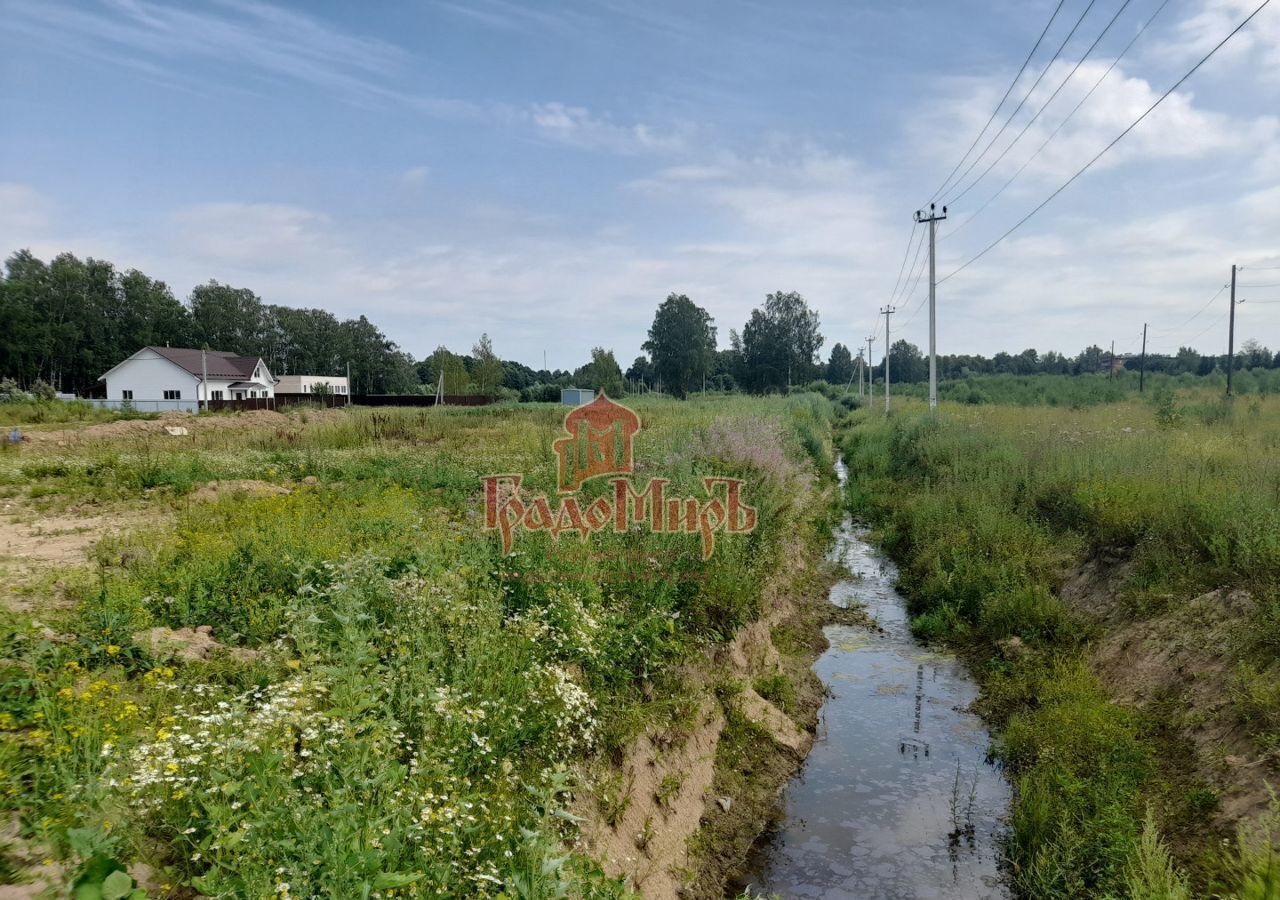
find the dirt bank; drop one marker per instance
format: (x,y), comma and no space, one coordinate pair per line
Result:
(1179,666)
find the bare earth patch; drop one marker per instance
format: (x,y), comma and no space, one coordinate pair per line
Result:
(193,425)
(32,545)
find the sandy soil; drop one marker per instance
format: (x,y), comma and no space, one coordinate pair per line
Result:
(35,544)
(195,425)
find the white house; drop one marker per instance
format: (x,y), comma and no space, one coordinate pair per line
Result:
(179,377)
(308,384)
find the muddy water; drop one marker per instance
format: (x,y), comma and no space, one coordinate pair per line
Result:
(897,798)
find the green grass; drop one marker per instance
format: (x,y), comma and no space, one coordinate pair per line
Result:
(395,704)
(984,510)
(62,412)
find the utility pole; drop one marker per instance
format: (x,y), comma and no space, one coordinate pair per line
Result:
(859,371)
(886,312)
(1231,332)
(1142,367)
(871,339)
(1111,365)
(349,389)
(933,219)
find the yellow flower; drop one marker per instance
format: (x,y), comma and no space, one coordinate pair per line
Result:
(112,649)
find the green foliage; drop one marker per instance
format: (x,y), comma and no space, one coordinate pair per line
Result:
(392,703)
(1151,875)
(984,509)
(779,344)
(486,370)
(682,344)
(602,374)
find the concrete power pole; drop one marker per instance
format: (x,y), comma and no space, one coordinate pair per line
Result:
(886,312)
(1231,332)
(1142,366)
(933,219)
(871,339)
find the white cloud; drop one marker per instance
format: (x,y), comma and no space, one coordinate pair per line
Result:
(1177,129)
(1256,46)
(579,127)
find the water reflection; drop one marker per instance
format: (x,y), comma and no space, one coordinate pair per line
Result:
(897,798)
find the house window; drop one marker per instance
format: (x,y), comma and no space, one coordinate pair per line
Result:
(173,395)
(217,395)
(126,395)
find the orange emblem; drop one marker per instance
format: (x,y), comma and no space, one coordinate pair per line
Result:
(598,442)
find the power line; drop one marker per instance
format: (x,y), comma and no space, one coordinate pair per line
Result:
(1204,59)
(1026,96)
(917,268)
(995,112)
(1083,100)
(905,253)
(1044,106)
(1270,284)
(1164,332)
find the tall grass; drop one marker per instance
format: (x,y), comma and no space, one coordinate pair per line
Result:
(988,506)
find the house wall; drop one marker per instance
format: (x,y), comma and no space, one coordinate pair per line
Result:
(303,384)
(218,384)
(149,376)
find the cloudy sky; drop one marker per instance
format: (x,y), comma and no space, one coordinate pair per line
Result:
(548,171)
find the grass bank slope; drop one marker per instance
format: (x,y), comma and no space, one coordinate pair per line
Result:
(1113,571)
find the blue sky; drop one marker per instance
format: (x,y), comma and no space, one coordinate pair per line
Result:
(548,172)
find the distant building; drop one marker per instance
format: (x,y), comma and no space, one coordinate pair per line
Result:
(310,384)
(576,396)
(181,378)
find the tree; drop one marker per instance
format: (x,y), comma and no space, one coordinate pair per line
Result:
(682,344)
(451,365)
(1089,361)
(602,374)
(641,371)
(906,363)
(228,318)
(840,366)
(486,371)
(779,344)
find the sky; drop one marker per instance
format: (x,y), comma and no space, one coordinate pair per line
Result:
(547,172)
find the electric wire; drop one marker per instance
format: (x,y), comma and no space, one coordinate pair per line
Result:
(1044,106)
(1025,97)
(1114,141)
(1164,332)
(1097,84)
(995,112)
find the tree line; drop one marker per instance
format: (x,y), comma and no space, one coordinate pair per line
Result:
(66,322)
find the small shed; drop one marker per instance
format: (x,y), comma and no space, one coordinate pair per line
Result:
(576,396)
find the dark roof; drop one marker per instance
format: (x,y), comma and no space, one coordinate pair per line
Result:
(221,364)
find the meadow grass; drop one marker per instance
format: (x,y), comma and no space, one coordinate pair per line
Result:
(987,507)
(396,708)
(52,412)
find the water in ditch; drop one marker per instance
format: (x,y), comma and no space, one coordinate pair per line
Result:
(897,799)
